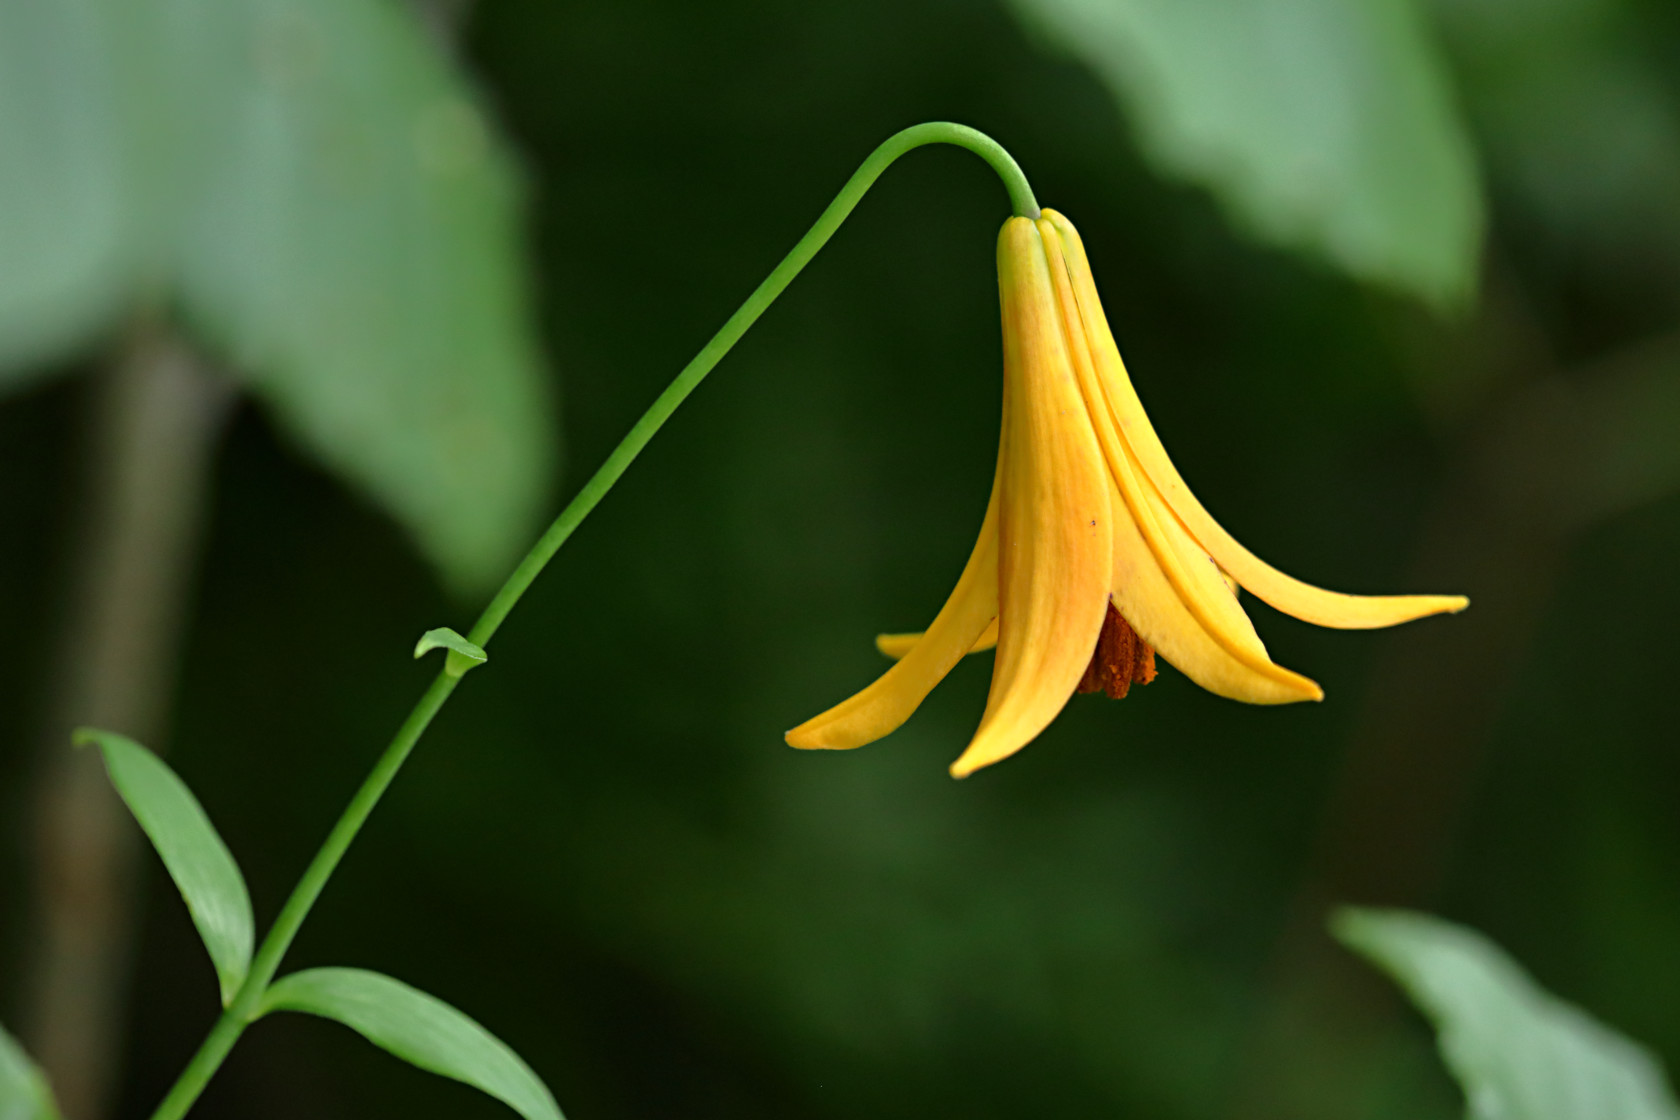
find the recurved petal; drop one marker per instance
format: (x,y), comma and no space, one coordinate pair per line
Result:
(1055,535)
(1164,585)
(882,707)
(1287,594)
(1193,622)
(896,646)
(1147,599)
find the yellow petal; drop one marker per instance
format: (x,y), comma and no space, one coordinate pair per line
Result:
(1055,536)
(1210,594)
(1146,596)
(896,646)
(1287,594)
(1164,585)
(884,706)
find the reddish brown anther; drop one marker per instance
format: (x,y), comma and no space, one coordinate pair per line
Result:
(1120,660)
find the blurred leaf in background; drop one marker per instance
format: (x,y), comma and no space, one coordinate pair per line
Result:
(1574,102)
(66,230)
(318,190)
(1518,1051)
(355,246)
(24,1094)
(1321,125)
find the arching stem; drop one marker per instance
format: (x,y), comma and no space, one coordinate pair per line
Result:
(243,1010)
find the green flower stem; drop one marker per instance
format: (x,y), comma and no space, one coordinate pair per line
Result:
(244,1008)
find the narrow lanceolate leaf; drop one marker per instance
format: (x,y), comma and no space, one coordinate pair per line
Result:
(23,1090)
(193,853)
(1518,1052)
(463,655)
(65,218)
(1321,125)
(417,1028)
(353,244)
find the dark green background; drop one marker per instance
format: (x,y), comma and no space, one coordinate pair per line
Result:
(605,853)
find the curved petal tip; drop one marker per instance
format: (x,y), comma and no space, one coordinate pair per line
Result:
(808,738)
(896,646)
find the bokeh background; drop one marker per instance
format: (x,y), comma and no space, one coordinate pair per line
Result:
(604,852)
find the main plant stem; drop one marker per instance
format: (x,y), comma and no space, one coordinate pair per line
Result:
(243,1010)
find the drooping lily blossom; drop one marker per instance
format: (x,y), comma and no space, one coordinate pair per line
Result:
(1093,555)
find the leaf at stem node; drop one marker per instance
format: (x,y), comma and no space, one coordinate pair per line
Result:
(463,655)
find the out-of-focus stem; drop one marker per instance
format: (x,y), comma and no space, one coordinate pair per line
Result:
(155,417)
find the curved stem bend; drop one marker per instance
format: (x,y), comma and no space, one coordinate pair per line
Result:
(938,132)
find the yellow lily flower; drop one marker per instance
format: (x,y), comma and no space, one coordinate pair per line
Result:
(1093,553)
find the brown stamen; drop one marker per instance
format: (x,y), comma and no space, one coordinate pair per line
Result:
(1120,660)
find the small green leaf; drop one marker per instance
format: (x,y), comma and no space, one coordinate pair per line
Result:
(1518,1052)
(463,655)
(203,869)
(24,1094)
(417,1028)
(1321,125)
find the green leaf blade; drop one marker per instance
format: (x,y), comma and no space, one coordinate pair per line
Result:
(354,248)
(1320,125)
(192,851)
(24,1094)
(1519,1052)
(418,1028)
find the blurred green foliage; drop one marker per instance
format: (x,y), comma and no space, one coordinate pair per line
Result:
(1320,125)
(23,1091)
(315,189)
(67,244)
(1517,1050)
(604,850)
